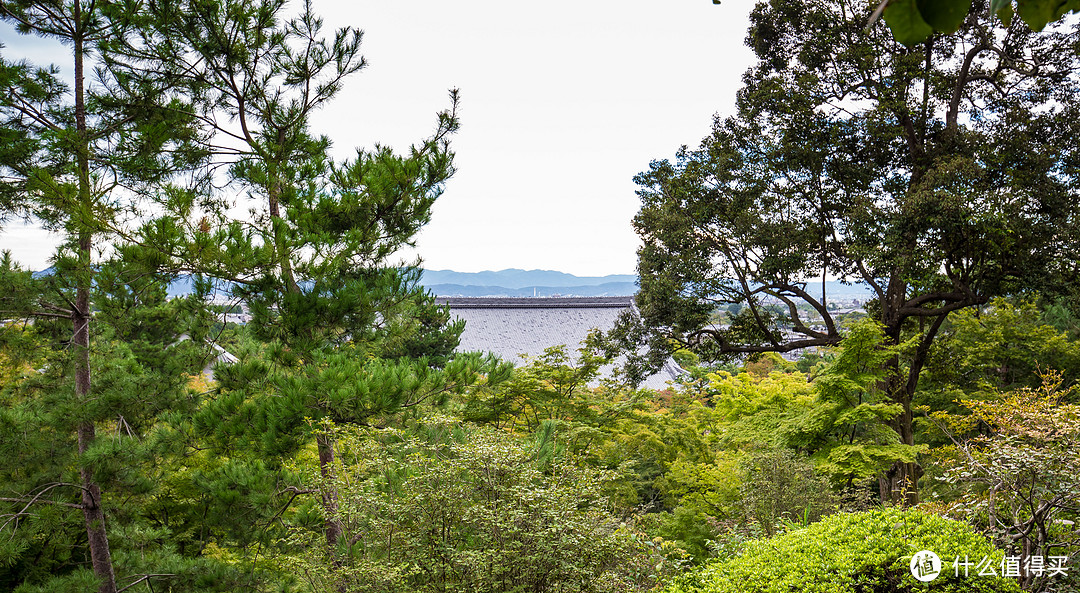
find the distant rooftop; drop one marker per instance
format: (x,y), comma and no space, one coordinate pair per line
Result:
(510,327)
(620,302)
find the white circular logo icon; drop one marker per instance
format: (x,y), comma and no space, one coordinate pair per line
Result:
(925,566)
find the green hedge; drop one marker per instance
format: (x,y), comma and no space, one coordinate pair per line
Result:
(853,553)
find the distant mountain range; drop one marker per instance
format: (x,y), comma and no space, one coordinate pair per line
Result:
(516,278)
(539,283)
(545,283)
(525,283)
(464,290)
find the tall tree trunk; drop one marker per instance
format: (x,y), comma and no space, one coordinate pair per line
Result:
(329,491)
(93,515)
(332,525)
(900,483)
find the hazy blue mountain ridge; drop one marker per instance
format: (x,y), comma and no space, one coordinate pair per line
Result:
(545,283)
(517,278)
(516,282)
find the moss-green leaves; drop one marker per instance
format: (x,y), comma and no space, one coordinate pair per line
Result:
(944,15)
(1039,13)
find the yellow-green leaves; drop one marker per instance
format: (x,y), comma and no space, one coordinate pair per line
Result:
(850,552)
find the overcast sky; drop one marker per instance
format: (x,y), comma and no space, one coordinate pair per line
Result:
(562,103)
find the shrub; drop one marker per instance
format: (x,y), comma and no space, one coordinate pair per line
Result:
(779,486)
(866,552)
(480,512)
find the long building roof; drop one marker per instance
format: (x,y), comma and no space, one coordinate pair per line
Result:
(512,327)
(619,302)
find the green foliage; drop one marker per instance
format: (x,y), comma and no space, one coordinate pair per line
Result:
(1000,347)
(345,333)
(81,159)
(316,263)
(552,389)
(1057,313)
(841,418)
(851,156)
(471,511)
(707,488)
(688,534)
(755,406)
(767,362)
(914,21)
(779,487)
(808,361)
(268,401)
(851,552)
(161,514)
(1020,477)
(850,425)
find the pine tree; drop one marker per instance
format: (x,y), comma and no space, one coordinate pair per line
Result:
(348,334)
(76,157)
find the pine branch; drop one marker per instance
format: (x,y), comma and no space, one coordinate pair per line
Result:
(143,577)
(36,499)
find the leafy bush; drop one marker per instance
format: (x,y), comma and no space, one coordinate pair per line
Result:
(471,510)
(779,486)
(1020,476)
(853,553)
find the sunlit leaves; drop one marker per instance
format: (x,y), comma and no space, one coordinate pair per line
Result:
(1021,475)
(458,509)
(868,551)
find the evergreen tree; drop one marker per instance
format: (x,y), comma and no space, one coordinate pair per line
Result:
(77,157)
(349,336)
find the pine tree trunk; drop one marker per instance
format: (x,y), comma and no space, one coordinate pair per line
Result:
(333,527)
(93,515)
(329,490)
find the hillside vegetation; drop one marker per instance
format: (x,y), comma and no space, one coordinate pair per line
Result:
(337,440)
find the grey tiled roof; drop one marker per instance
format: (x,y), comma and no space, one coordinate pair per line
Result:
(624,302)
(510,327)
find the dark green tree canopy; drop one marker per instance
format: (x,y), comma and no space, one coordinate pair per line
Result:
(940,176)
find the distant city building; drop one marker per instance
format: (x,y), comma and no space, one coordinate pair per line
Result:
(510,327)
